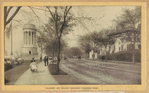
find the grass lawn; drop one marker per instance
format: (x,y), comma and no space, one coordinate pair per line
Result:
(65,79)
(13,74)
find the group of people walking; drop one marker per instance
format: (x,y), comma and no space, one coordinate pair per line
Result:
(46,60)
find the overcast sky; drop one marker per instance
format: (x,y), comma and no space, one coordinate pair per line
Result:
(102,18)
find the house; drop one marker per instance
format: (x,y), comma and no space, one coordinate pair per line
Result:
(122,41)
(92,54)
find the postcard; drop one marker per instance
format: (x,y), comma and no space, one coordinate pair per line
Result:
(73,46)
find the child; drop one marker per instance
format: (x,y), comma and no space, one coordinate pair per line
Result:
(33,65)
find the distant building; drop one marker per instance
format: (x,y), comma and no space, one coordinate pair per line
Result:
(29,33)
(92,54)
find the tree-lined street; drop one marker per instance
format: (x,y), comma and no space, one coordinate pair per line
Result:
(79,40)
(98,72)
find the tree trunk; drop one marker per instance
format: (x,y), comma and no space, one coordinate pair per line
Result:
(133,54)
(133,57)
(5,10)
(106,54)
(53,53)
(59,49)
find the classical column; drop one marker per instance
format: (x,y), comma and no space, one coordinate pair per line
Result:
(28,38)
(31,38)
(25,39)
(35,38)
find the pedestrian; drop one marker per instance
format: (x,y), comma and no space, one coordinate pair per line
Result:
(41,58)
(45,59)
(33,65)
(33,60)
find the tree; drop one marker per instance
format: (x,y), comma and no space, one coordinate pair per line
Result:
(85,43)
(51,49)
(88,41)
(7,17)
(75,51)
(87,49)
(61,19)
(129,21)
(103,40)
(60,22)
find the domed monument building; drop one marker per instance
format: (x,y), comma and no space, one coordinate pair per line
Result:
(29,37)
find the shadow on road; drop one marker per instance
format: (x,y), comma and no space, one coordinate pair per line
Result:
(61,72)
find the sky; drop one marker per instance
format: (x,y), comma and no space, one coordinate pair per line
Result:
(102,18)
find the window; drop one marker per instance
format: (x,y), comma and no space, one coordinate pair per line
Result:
(119,48)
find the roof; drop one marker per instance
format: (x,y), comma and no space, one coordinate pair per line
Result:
(127,39)
(112,41)
(29,26)
(120,32)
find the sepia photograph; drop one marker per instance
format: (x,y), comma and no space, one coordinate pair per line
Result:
(72,45)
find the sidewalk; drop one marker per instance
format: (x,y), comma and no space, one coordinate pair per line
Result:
(41,77)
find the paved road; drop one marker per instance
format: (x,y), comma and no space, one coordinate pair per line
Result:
(41,77)
(97,72)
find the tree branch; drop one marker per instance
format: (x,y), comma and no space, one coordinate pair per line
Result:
(17,10)
(9,10)
(61,29)
(51,13)
(34,13)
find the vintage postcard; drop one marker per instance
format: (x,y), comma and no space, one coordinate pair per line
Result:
(73,46)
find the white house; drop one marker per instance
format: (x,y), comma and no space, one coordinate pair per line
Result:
(120,41)
(92,55)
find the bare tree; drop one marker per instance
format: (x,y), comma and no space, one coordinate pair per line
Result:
(61,19)
(7,16)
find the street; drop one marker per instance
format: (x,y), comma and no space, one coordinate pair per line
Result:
(98,72)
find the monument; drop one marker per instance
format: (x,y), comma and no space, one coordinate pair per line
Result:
(29,48)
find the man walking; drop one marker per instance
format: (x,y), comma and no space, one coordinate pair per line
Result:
(45,59)
(33,60)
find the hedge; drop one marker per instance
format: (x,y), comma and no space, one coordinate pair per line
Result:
(53,69)
(123,56)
